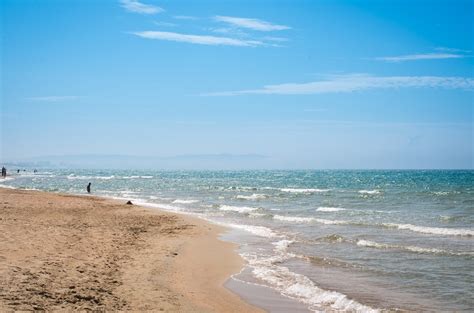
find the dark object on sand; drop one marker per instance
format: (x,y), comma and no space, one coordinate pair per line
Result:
(4,172)
(89,188)
(129,202)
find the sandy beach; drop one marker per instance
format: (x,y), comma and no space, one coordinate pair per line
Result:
(63,252)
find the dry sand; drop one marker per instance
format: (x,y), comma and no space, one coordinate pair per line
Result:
(63,252)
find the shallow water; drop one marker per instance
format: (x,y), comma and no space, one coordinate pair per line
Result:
(332,240)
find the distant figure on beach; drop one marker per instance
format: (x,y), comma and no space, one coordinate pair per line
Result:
(35,171)
(89,188)
(18,171)
(4,172)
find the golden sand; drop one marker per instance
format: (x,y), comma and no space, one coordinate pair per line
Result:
(63,252)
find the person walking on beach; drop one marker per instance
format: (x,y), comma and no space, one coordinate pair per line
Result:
(4,172)
(89,188)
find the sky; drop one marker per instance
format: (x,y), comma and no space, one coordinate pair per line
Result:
(262,84)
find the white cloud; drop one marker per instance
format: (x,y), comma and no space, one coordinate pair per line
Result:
(165,24)
(198,39)
(277,39)
(356,82)
(185,17)
(250,23)
(452,50)
(138,7)
(425,56)
(53,98)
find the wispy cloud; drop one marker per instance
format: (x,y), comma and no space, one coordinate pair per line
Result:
(229,31)
(138,7)
(425,56)
(198,39)
(277,39)
(52,98)
(185,17)
(356,82)
(165,24)
(452,50)
(250,23)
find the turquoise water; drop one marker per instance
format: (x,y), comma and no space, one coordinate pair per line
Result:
(333,240)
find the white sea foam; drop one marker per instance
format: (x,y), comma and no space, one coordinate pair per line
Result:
(256,230)
(303,190)
(299,219)
(445,193)
(161,206)
(282,245)
(181,201)
(240,209)
(370,192)
(372,244)
(331,222)
(255,196)
(73,177)
(293,219)
(7,187)
(329,209)
(136,176)
(298,286)
(256,214)
(432,230)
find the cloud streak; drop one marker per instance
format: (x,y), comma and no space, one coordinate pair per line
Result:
(197,39)
(138,7)
(354,83)
(250,23)
(425,56)
(53,98)
(185,17)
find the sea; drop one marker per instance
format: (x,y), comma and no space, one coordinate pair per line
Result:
(329,240)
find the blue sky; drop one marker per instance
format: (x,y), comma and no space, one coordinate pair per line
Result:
(307,84)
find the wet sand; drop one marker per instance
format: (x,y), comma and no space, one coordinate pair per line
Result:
(63,252)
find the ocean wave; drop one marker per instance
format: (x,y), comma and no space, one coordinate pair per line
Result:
(304,190)
(161,206)
(256,214)
(181,201)
(445,193)
(240,209)
(282,245)
(7,187)
(299,219)
(255,196)
(298,286)
(332,222)
(370,192)
(293,219)
(261,231)
(431,230)
(329,209)
(332,238)
(372,244)
(323,261)
(73,177)
(136,176)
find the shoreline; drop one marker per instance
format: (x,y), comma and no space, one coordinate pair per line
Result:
(65,252)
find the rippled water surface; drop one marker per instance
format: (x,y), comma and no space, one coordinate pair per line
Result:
(334,240)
